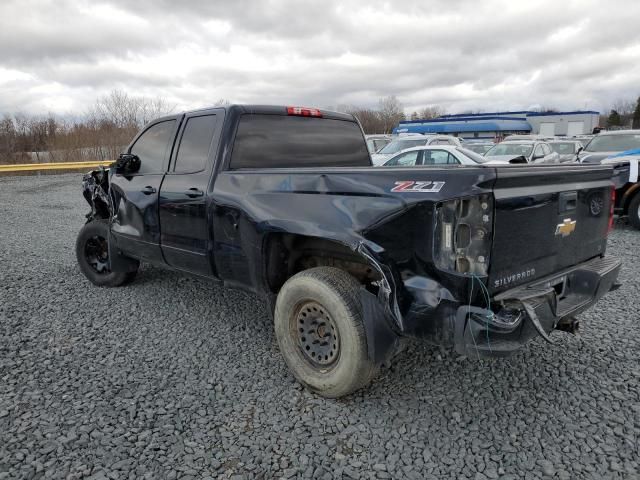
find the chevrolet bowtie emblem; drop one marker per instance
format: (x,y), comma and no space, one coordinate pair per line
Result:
(566,228)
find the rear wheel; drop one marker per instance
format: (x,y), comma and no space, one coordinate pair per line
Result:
(634,211)
(320,330)
(92,253)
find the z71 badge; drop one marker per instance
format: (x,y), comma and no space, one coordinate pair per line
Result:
(413,186)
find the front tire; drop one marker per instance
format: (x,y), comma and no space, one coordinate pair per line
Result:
(634,211)
(92,254)
(320,329)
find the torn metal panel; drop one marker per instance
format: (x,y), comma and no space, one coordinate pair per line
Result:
(95,188)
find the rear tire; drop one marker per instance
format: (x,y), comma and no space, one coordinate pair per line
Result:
(634,211)
(320,330)
(93,256)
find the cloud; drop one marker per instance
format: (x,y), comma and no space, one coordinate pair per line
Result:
(59,56)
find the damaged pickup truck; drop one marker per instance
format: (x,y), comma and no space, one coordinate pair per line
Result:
(351,259)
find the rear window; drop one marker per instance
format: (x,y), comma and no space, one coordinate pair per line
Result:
(279,141)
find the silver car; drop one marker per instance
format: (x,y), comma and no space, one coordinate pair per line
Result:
(409,141)
(606,144)
(435,155)
(529,151)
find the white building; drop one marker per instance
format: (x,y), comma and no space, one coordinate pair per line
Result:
(499,124)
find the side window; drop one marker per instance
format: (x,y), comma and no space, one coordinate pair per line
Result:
(440,157)
(193,151)
(408,159)
(547,149)
(539,151)
(152,147)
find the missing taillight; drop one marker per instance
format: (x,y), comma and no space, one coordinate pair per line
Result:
(462,242)
(463,235)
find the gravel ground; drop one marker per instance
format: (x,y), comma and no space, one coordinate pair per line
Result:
(172,377)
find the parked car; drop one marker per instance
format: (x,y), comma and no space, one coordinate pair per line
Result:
(376,142)
(627,182)
(403,142)
(608,143)
(531,151)
(566,149)
(529,136)
(480,148)
(349,259)
(439,155)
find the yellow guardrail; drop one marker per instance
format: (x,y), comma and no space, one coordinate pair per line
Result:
(34,167)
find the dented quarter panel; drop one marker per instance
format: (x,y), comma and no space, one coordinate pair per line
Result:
(354,207)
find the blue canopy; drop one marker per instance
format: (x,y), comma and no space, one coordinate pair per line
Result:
(458,127)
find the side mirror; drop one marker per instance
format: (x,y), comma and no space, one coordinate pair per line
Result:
(127,164)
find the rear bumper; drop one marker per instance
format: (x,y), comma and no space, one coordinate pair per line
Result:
(537,308)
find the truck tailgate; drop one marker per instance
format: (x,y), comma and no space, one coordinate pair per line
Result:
(547,218)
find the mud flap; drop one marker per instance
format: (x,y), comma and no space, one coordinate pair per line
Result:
(382,341)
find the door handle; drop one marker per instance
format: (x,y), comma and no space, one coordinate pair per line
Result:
(194,192)
(148,190)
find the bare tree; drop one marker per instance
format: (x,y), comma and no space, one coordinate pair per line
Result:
(391,113)
(433,111)
(126,111)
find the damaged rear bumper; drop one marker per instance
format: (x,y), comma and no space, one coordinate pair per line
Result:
(514,318)
(520,314)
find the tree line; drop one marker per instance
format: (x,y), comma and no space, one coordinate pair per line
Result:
(624,113)
(100,134)
(114,119)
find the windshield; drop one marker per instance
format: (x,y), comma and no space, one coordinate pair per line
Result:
(613,143)
(564,148)
(515,149)
(472,155)
(375,144)
(396,145)
(481,149)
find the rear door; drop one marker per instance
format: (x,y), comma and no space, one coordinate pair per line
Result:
(547,218)
(185,235)
(135,223)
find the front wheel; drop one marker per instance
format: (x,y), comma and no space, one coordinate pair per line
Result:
(634,211)
(92,253)
(320,330)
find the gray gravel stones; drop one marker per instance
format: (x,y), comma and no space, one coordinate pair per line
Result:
(177,378)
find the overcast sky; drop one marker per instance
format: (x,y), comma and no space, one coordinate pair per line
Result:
(59,55)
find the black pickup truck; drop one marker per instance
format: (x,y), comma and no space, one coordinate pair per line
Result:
(349,258)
